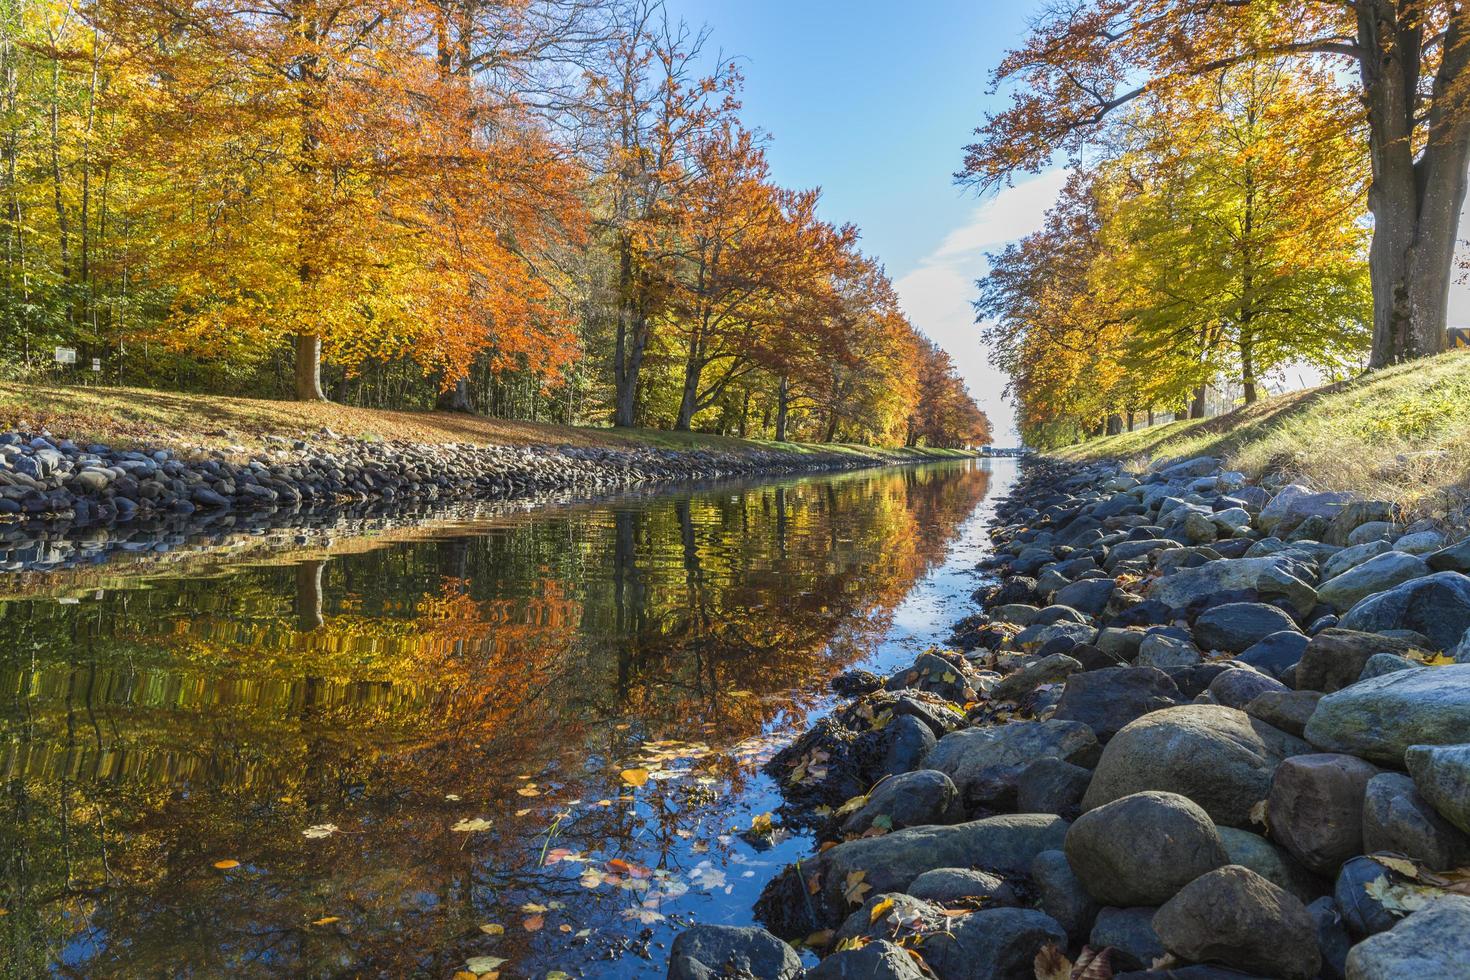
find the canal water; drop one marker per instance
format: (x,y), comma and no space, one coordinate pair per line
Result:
(524,743)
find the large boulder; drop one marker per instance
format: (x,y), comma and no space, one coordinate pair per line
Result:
(992,944)
(911,799)
(1315,808)
(1287,710)
(1106,700)
(1271,862)
(1190,585)
(711,952)
(1088,595)
(962,886)
(1433,942)
(1357,893)
(1239,687)
(1275,654)
(1437,606)
(1237,626)
(1295,504)
(1398,819)
(1051,786)
(1062,894)
(1442,775)
(1103,848)
(890,863)
(1164,652)
(1379,718)
(1219,757)
(1455,558)
(1051,669)
(1373,576)
(985,762)
(1234,916)
(1335,657)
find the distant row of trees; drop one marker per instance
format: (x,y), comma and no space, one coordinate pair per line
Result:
(547,209)
(1226,159)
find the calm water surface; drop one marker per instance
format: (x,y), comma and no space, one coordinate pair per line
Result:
(522,744)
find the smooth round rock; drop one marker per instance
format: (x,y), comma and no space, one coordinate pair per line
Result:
(1104,848)
(1234,916)
(1315,808)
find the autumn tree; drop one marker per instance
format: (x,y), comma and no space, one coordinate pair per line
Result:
(1087,58)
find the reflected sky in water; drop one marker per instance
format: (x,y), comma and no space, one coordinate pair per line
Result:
(523,745)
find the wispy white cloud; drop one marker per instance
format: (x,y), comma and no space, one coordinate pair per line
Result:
(937,295)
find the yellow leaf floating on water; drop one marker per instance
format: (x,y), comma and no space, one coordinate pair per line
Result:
(327,920)
(318,831)
(634,777)
(464,975)
(471,825)
(493,929)
(483,964)
(226,864)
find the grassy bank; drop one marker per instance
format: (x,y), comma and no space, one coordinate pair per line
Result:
(131,417)
(1401,434)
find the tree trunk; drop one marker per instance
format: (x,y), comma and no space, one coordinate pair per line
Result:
(831,426)
(309,368)
(1415,203)
(630,342)
(783,404)
(690,396)
(456,399)
(1197,404)
(1248,369)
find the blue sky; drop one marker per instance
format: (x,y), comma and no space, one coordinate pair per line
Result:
(872,101)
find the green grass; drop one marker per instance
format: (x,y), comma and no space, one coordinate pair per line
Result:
(130,417)
(1399,434)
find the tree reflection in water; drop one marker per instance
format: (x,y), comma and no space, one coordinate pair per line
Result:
(500,678)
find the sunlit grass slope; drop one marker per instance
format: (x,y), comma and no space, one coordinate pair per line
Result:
(1401,434)
(143,417)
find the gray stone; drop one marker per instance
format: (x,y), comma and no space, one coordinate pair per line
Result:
(1056,613)
(911,799)
(962,886)
(1433,942)
(1363,914)
(986,762)
(1397,819)
(1063,896)
(1234,916)
(893,916)
(1188,585)
(1161,651)
(1287,710)
(1052,669)
(1332,937)
(1236,626)
(1036,637)
(1088,596)
(1270,862)
(1019,613)
(1355,515)
(1277,653)
(891,862)
(1051,786)
(711,952)
(1295,504)
(1106,700)
(1436,605)
(1455,558)
(1378,719)
(1120,644)
(1442,775)
(1103,848)
(1420,543)
(933,673)
(992,944)
(878,960)
(1130,933)
(1315,808)
(1383,531)
(1386,663)
(1335,658)
(1373,576)
(906,741)
(1219,757)
(1350,558)
(1239,687)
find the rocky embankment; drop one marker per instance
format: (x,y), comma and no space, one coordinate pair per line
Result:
(1201,730)
(47,479)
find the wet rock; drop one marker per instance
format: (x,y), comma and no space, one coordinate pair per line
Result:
(1275,654)
(1286,710)
(1239,687)
(1219,757)
(1052,669)
(1335,658)
(1106,700)
(1363,914)
(936,675)
(1315,808)
(710,952)
(1372,576)
(878,960)
(1234,916)
(1237,626)
(1442,775)
(1433,942)
(911,799)
(1130,933)
(854,683)
(1051,786)
(1396,818)
(992,944)
(1103,848)
(1436,605)
(906,741)
(961,887)
(985,763)
(1271,862)
(1378,719)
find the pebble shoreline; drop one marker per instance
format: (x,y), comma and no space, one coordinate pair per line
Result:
(1200,729)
